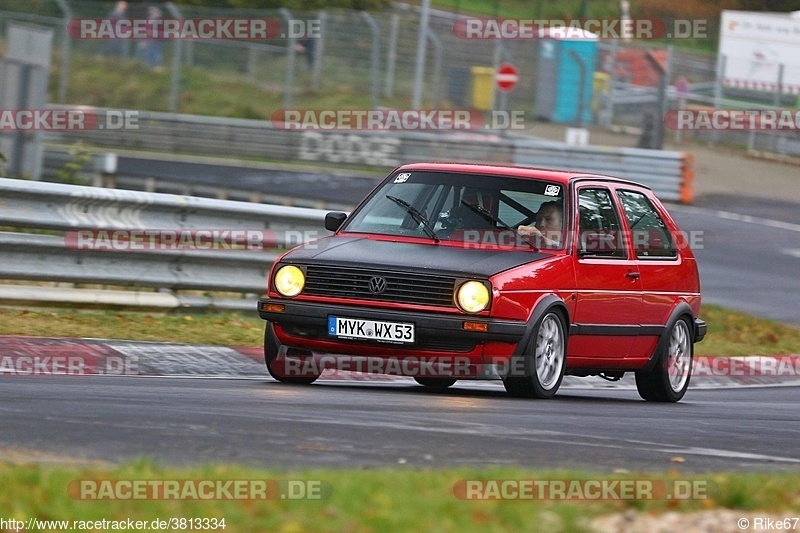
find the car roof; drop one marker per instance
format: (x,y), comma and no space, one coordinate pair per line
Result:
(564,177)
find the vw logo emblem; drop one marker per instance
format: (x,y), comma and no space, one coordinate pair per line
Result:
(377,284)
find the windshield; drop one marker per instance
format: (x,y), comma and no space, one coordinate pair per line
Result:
(469,208)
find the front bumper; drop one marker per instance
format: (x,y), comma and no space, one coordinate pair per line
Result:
(433,330)
(700,329)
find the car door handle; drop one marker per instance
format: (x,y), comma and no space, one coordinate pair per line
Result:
(633,275)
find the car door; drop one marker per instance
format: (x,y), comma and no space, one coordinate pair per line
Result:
(609,292)
(662,274)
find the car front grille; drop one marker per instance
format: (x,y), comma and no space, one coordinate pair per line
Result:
(400,287)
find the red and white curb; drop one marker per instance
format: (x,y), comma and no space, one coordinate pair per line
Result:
(52,356)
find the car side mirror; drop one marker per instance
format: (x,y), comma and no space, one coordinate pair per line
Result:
(333,221)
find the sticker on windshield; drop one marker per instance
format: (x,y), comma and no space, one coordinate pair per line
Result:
(402,178)
(552,190)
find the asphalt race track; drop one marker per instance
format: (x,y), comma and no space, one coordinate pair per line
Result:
(262,422)
(747,262)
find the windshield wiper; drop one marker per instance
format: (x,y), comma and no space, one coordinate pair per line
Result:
(486,214)
(491,218)
(418,217)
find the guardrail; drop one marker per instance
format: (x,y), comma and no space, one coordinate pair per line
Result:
(669,174)
(228,137)
(61,208)
(223,179)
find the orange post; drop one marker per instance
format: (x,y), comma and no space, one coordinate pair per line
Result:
(687,178)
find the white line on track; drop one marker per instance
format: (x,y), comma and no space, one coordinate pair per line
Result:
(728,215)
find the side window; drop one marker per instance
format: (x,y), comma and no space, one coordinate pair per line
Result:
(600,231)
(651,238)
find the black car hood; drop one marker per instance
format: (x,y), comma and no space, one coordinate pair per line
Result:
(390,255)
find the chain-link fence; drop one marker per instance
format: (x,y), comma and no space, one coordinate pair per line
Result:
(368,60)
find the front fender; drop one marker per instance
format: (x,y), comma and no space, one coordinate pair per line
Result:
(546,303)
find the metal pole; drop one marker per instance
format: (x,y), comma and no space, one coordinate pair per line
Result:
(776,102)
(607,114)
(658,141)
(376,58)
(776,97)
(290,60)
(718,89)
(66,43)
(316,75)
(175,81)
(17,156)
(496,58)
(663,101)
(437,68)
(388,90)
(188,56)
(422,41)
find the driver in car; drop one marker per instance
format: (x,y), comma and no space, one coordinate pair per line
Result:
(548,224)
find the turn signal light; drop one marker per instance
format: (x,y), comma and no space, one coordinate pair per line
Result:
(476,326)
(273,308)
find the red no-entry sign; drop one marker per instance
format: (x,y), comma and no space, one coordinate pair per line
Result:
(506,77)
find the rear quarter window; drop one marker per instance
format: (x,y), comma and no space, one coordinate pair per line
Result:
(651,236)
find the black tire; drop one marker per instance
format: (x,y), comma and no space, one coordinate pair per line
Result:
(436,383)
(668,379)
(274,363)
(542,363)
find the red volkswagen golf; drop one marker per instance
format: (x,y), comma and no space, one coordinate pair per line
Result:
(455,271)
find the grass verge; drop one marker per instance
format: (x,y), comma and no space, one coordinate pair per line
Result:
(730,333)
(371,500)
(130,84)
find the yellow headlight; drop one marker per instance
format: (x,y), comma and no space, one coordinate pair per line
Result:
(472,297)
(289,280)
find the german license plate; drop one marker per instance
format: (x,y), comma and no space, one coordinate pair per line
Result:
(355,328)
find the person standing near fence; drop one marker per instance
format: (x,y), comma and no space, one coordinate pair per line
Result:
(114,47)
(152,50)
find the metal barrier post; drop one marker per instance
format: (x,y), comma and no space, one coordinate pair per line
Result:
(376,57)
(776,102)
(436,96)
(316,74)
(391,58)
(290,61)
(175,82)
(718,88)
(607,113)
(422,41)
(66,44)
